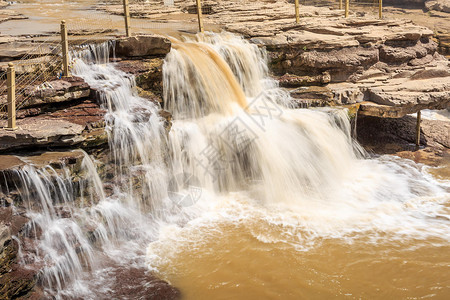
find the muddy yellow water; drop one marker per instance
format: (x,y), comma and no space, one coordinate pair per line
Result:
(441,172)
(231,263)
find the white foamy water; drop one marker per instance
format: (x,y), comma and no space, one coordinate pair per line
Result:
(295,173)
(236,155)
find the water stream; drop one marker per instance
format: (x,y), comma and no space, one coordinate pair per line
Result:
(244,198)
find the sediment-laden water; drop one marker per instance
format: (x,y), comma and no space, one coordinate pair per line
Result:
(244,198)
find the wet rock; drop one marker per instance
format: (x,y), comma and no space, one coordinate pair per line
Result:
(289,80)
(66,89)
(148,75)
(55,159)
(142,45)
(15,281)
(313,96)
(18,282)
(398,134)
(81,124)
(139,283)
(9,162)
(40,132)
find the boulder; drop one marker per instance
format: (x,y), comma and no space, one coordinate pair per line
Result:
(143,45)
(439,5)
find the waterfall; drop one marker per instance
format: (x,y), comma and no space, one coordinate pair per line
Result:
(62,249)
(237,156)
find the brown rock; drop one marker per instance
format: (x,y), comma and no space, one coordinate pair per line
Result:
(63,90)
(81,124)
(143,45)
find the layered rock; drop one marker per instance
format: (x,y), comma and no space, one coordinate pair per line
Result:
(16,280)
(142,46)
(439,5)
(7,15)
(80,123)
(54,91)
(397,136)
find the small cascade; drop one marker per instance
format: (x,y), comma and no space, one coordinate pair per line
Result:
(62,250)
(136,132)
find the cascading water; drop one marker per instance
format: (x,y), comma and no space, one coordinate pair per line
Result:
(61,248)
(241,198)
(281,186)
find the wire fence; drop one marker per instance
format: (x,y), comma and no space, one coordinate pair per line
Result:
(44,61)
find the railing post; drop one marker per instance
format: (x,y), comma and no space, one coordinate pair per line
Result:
(297,12)
(380,9)
(11,86)
(199,13)
(347,6)
(65,49)
(419,117)
(340,4)
(126,14)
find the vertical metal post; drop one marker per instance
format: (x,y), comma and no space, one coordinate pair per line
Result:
(419,117)
(200,16)
(380,9)
(65,49)
(340,4)
(11,86)
(297,12)
(126,14)
(347,6)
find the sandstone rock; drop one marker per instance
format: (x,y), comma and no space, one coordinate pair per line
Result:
(66,89)
(143,45)
(8,15)
(421,61)
(148,75)
(439,5)
(17,50)
(40,132)
(313,96)
(53,91)
(406,2)
(398,134)
(82,124)
(138,283)
(339,59)
(399,55)
(55,159)
(9,162)
(428,93)
(289,80)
